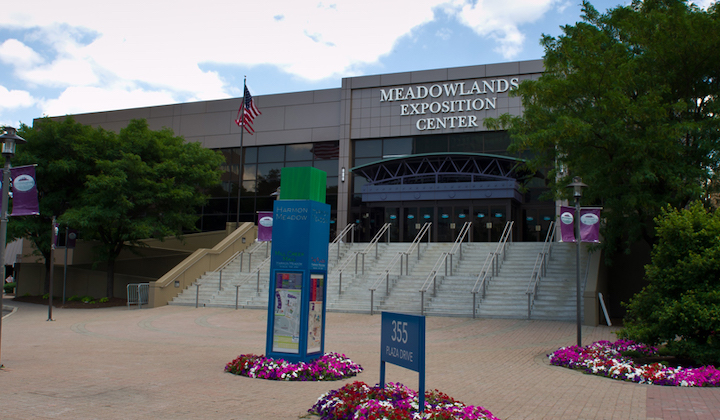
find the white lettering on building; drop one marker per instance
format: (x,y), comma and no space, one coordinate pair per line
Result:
(457,97)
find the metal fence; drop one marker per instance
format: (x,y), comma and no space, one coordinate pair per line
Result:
(137,294)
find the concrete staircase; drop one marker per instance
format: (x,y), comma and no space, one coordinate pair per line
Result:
(506,293)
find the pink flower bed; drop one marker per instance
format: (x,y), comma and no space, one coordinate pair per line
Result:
(605,358)
(358,401)
(329,367)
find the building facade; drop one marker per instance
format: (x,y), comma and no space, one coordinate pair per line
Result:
(402,148)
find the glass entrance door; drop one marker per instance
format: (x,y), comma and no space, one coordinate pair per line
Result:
(411,223)
(445,225)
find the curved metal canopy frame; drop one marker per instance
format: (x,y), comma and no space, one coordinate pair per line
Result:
(442,168)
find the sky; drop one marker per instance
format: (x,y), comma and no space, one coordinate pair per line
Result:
(79,56)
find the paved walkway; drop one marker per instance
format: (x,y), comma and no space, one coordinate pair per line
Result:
(167,363)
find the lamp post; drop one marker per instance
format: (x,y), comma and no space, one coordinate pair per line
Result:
(577,186)
(9,139)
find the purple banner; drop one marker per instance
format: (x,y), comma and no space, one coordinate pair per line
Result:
(24,189)
(567,224)
(265,223)
(590,225)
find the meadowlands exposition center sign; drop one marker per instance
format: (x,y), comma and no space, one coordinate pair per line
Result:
(448,105)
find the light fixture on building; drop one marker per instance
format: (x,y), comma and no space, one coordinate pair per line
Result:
(342,174)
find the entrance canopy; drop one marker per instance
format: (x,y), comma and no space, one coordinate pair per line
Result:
(442,176)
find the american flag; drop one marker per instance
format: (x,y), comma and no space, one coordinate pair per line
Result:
(247,112)
(326,150)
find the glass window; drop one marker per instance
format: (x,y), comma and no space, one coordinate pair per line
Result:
(250,154)
(368,148)
(469,143)
(266,170)
(326,150)
(249,172)
(248,188)
(365,161)
(397,147)
(431,144)
(271,154)
(496,142)
(300,163)
(294,152)
(329,166)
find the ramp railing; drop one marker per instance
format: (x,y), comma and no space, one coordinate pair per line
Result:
(443,260)
(492,265)
(384,229)
(399,257)
(540,268)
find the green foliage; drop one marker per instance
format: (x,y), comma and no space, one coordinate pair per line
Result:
(629,102)
(104,300)
(87,299)
(73,298)
(117,189)
(46,296)
(9,287)
(680,306)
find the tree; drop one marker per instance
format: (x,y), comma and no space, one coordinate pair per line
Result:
(144,184)
(60,171)
(629,102)
(680,306)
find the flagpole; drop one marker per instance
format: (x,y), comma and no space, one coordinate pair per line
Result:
(240,164)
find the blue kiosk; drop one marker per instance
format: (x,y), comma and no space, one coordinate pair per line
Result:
(298,271)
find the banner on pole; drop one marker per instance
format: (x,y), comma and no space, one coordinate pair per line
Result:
(589,224)
(265,224)
(24,189)
(567,224)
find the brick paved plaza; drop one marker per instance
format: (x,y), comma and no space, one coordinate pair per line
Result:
(167,363)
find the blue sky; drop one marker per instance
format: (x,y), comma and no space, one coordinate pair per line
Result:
(79,56)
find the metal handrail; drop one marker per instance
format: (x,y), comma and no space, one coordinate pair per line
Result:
(338,239)
(399,257)
(378,235)
(247,278)
(540,268)
(493,263)
(432,276)
(225,264)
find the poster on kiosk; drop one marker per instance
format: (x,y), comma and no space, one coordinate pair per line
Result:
(298,267)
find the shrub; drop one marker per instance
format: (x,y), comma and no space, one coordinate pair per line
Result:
(73,298)
(104,300)
(9,287)
(680,306)
(87,299)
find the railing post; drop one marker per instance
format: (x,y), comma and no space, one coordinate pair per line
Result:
(220,281)
(528,295)
(249,262)
(363,263)
(451,264)
(445,263)
(340,285)
(267,248)
(356,262)
(197,294)
(474,295)
(387,283)
(242,254)
(258,282)
(372,295)
(422,302)
(237,293)
(434,285)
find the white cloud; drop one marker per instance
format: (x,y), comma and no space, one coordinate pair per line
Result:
(18,54)
(10,99)
(500,19)
(92,99)
(113,55)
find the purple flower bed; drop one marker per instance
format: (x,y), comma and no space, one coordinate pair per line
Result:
(358,401)
(329,367)
(605,358)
